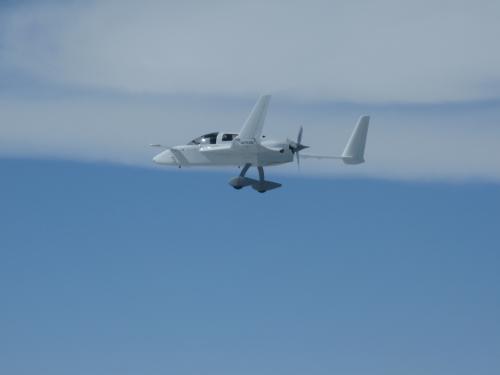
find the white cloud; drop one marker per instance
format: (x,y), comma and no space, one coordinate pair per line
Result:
(126,62)
(379,51)
(417,143)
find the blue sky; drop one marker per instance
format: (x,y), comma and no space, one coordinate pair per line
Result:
(111,265)
(125,270)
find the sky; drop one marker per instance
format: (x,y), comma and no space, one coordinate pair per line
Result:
(112,265)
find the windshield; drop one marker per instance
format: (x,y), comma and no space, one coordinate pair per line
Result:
(211,137)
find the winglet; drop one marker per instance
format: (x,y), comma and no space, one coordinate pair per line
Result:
(252,129)
(354,152)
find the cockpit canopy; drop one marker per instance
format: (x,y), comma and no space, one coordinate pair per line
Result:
(207,138)
(227,137)
(213,138)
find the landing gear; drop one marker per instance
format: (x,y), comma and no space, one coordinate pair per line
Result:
(260,185)
(241,181)
(260,189)
(245,170)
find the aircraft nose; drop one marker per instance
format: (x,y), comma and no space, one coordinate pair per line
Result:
(164,157)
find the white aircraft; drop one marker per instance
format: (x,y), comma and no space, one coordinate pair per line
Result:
(250,148)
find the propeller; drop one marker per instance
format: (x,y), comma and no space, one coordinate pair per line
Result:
(296,147)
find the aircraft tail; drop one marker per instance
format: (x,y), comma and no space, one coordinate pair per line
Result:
(354,152)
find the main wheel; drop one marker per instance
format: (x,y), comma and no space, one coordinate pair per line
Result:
(238,187)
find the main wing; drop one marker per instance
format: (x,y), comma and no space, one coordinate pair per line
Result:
(252,129)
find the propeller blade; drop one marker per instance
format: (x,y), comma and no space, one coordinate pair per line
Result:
(299,136)
(296,147)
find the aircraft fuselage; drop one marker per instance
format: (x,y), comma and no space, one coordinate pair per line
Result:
(233,153)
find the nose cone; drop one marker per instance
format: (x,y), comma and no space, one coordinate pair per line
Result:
(157,159)
(165,157)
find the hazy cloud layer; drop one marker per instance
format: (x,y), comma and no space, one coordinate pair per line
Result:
(99,80)
(421,51)
(422,142)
